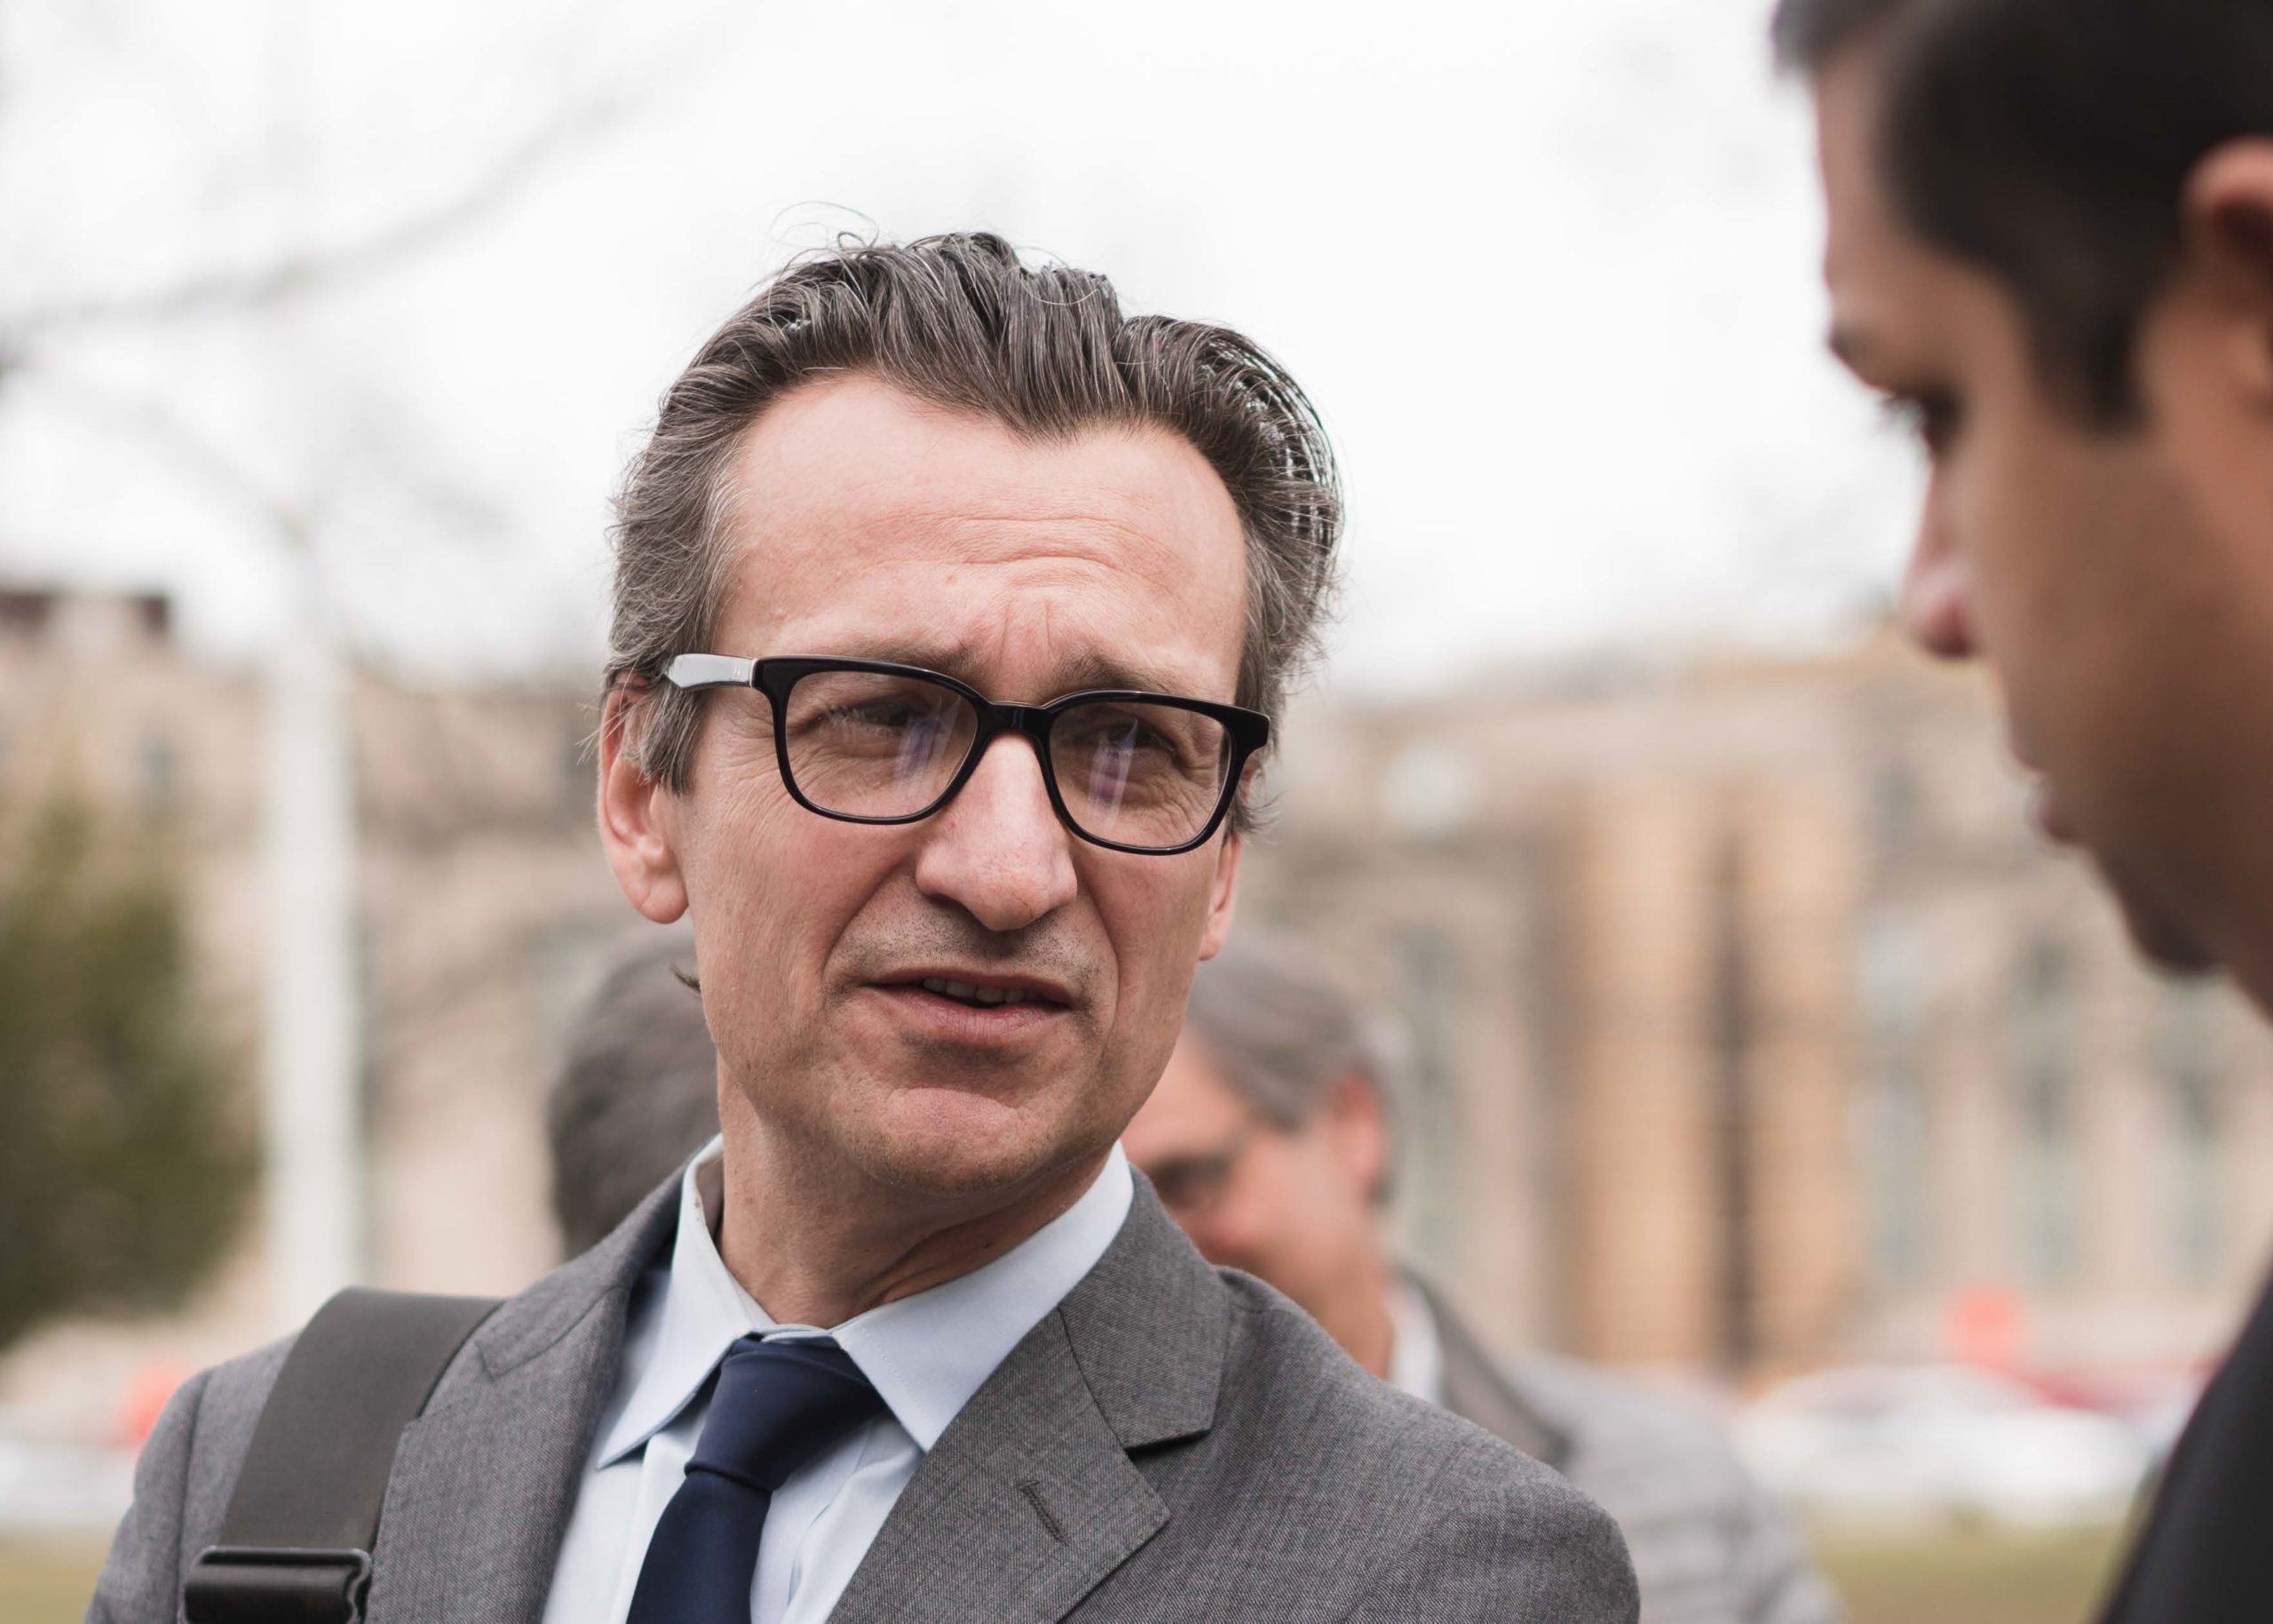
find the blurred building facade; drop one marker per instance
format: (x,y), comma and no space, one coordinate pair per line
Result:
(1748,1028)
(483,903)
(1751,1029)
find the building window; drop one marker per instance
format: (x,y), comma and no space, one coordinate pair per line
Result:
(2044,1084)
(578,762)
(1428,1006)
(2189,1065)
(1896,810)
(156,773)
(1895,972)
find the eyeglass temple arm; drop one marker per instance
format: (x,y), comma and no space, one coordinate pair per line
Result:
(709,672)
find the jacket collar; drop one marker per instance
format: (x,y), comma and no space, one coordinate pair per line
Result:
(1478,1388)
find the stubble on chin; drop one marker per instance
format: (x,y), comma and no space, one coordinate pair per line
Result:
(932,1138)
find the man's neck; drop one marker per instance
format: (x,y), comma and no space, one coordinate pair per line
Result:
(818,1251)
(1356,1314)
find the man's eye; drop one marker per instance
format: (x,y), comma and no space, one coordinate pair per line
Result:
(872,714)
(1930,418)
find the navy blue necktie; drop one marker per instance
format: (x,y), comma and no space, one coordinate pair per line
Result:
(776,1406)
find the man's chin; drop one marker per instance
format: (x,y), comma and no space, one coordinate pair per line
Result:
(951,1143)
(2165,941)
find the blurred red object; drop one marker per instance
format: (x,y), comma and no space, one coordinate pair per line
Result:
(1986,1328)
(154,1382)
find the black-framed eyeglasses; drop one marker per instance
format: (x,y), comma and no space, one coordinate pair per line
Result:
(868,741)
(1189,1185)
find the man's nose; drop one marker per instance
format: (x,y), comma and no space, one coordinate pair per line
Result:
(1935,591)
(997,849)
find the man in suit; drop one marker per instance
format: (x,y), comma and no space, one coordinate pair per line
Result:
(2050,247)
(951,607)
(1270,1140)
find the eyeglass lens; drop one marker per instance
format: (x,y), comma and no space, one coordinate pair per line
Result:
(873,745)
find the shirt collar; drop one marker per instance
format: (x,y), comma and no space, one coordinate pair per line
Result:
(925,1354)
(1417,1353)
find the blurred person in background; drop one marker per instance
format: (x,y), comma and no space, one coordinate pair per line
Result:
(637,1092)
(1272,1139)
(2050,247)
(951,607)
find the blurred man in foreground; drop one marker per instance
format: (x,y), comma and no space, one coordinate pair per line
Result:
(951,608)
(1270,1139)
(2051,248)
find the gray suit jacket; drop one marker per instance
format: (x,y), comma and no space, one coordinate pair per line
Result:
(1171,1442)
(1710,1544)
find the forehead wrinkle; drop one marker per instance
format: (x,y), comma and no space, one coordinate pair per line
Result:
(1084,542)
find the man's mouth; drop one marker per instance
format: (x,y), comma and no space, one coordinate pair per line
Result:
(981,997)
(977,1003)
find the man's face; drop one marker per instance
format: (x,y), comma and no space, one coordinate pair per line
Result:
(1293,1208)
(870,525)
(2119,582)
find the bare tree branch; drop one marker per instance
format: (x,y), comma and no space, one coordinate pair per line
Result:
(320,269)
(173,439)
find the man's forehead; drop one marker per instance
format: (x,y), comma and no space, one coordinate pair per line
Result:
(906,533)
(1194,1098)
(858,453)
(1868,256)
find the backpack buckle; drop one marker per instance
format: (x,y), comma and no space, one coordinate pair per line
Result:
(265,1584)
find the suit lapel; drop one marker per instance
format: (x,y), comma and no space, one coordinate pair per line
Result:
(484,1479)
(1029,1500)
(1476,1389)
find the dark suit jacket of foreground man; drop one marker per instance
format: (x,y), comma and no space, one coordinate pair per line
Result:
(2202,1554)
(1171,1442)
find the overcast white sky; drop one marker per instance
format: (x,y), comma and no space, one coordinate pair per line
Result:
(1549,270)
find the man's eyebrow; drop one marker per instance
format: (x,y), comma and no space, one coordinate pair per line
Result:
(954,658)
(1093,670)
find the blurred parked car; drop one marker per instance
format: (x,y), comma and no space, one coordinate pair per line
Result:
(62,1488)
(1920,1442)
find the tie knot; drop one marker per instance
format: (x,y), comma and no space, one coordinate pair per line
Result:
(777,1406)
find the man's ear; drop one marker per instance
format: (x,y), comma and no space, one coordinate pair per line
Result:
(1223,897)
(2227,222)
(635,825)
(1359,1132)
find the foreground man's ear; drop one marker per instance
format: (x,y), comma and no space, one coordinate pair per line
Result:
(635,829)
(1223,897)
(2226,218)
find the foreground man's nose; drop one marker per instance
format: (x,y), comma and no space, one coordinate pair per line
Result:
(1934,609)
(997,849)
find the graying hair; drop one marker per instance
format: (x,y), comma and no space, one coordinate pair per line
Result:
(960,322)
(1284,1031)
(637,1092)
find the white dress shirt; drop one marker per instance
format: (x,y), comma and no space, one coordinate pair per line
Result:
(1417,1353)
(926,1355)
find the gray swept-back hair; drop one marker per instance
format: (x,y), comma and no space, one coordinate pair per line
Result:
(960,322)
(1284,1031)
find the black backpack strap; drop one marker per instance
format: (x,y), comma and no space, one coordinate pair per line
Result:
(297,1539)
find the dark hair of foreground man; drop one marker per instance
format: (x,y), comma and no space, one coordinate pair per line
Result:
(2048,141)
